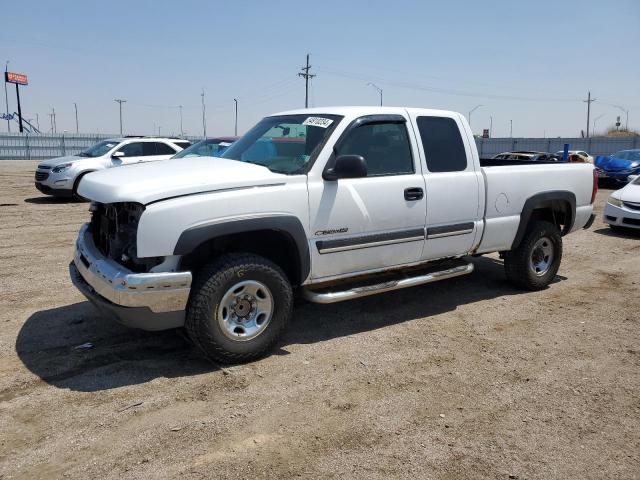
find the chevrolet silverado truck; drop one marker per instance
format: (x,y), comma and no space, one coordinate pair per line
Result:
(330,204)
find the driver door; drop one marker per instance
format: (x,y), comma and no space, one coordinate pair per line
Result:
(373,222)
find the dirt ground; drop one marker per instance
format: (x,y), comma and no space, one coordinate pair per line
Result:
(467,378)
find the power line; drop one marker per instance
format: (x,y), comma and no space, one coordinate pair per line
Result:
(445,91)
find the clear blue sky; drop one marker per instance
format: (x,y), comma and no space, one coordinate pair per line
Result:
(527,61)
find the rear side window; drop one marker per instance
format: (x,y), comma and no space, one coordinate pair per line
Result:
(384,146)
(164,149)
(442,143)
(183,144)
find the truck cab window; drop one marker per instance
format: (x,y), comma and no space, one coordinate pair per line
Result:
(442,143)
(384,146)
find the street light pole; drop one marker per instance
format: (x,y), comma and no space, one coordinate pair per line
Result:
(378,89)
(181,131)
(471,111)
(120,102)
(490,126)
(594,122)
(511,128)
(6,96)
(76,107)
(235,130)
(204,121)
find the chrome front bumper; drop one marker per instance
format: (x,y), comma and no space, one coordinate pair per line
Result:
(160,292)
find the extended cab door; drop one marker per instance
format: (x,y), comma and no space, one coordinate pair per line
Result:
(373,222)
(454,185)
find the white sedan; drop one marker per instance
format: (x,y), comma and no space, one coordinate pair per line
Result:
(623,206)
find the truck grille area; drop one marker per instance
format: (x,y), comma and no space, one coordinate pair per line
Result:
(114,228)
(40,176)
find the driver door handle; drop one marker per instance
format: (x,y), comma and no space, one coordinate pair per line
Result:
(414,193)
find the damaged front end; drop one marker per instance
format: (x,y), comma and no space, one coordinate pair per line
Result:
(114,228)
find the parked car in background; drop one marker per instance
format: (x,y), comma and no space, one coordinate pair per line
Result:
(587,158)
(61,176)
(211,147)
(623,206)
(528,156)
(619,166)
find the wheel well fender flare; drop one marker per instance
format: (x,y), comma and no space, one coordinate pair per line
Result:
(289,225)
(545,200)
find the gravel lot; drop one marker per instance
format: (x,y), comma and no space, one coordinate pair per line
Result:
(467,378)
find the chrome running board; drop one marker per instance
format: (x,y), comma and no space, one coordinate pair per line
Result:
(326,296)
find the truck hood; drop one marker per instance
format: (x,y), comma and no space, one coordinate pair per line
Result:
(149,182)
(58,160)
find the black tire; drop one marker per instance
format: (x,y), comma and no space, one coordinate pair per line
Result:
(74,191)
(208,290)
(517,263)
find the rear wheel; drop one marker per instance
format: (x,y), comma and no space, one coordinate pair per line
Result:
(238,308)
(535,262)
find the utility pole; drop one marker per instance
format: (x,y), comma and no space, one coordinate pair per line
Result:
(204,121)
(307,76)
(6,96)
(490,126)
(55,124)
(38,122)
(511,128)
(378,89)
(626,123)
(235,130)
(588,101)
(120,102)
(51,120)
(181,131)
(76,107)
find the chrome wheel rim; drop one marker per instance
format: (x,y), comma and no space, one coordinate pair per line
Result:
(542,256)
(245,310)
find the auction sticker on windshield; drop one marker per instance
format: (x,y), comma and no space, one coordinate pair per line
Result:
(318,122)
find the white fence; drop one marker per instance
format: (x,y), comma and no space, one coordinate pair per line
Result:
(15,146)
(41,146)
(487,147)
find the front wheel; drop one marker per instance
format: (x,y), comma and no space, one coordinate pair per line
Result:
(238,308)
(535,262)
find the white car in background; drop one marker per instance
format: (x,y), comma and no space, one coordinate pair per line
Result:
(623,206)
(581,153)
(60,176)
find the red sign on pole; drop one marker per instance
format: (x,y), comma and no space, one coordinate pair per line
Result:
(17,78)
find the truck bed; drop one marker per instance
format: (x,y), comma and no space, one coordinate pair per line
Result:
(495,162)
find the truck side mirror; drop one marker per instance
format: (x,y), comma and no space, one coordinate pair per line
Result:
(346,166)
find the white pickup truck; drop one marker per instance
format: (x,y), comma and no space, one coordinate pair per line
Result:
(330,203)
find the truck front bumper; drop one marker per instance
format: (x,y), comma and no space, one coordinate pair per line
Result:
(149,301)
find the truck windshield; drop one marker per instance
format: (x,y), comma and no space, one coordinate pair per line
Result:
(284,144)
(99,149)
